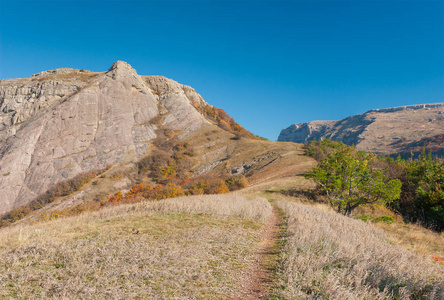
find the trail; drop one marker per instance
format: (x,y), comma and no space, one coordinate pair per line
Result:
(255,285)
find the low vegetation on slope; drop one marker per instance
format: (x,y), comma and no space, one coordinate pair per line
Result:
(223,120)
(431,144)
(193,247)
(165,172)
(331,256)
(61,189)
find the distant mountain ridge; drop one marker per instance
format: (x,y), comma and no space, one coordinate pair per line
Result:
(384,131)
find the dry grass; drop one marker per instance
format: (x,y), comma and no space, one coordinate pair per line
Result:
(410,236)
(216,205)
(415,238)
(268,161)
(329,256)
(85,76)
(187,248)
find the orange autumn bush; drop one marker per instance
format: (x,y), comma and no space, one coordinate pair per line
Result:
(223,120)
(170,191)
(206,185)
(437,258)
(202,185)
(117,197)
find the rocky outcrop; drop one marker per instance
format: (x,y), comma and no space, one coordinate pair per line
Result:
(59,123)
(174,103)
(304,132)
(21,99)
(383,131)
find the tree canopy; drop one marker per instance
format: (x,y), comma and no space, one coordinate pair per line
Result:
(349,181)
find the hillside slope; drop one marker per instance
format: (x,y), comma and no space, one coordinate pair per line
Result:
(58,124)
(384,131)
(216,155)
(205,247)
(61,124)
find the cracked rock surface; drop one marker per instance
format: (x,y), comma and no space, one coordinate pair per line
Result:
(59,123)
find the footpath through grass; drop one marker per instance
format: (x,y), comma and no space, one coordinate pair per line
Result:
(326,255)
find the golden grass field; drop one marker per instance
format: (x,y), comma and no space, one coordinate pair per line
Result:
(189,248)
(331,256)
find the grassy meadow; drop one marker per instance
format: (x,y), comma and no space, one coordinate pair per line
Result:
(331,256)
(187,248)
(208,247)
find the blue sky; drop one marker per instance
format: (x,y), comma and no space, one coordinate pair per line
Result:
(267,63)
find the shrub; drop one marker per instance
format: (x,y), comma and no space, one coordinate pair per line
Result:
(150,192)
(117,175)
(170,191)
(199,188)
(382,219)
(224,125)
(136,189)
(223,120)
(236,182)
(218,187)
(422,197)
(117,197)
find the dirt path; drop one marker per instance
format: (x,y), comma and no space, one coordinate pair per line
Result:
(255,285)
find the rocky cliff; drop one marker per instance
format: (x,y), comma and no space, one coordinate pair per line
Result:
(59,123)
(384,131)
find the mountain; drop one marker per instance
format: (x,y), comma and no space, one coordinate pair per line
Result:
(92,155)
(383,131)
(59,124)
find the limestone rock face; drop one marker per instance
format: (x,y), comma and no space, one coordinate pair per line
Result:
(176,103)
(383,131)
(59,123)
(21,99)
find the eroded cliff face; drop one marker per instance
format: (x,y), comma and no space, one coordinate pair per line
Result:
(384,131)
(57,124)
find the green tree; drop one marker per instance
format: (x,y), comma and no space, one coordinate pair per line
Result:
(426,177)
(349,182)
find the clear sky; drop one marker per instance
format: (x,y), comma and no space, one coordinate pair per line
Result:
(267,63)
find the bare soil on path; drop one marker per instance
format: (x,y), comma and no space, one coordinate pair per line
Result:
(256,283)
